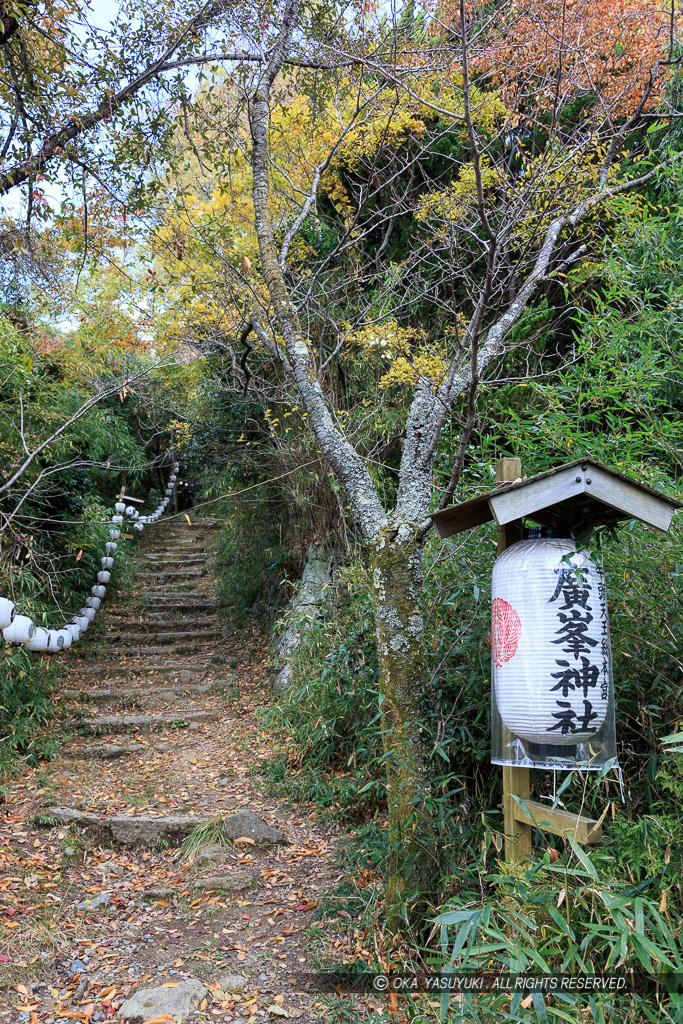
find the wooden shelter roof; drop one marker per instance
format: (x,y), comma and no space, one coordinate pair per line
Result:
(575,496)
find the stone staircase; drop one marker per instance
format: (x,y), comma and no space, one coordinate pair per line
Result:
(157,863)
(162,651)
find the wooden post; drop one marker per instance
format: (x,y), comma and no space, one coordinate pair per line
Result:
(515,780)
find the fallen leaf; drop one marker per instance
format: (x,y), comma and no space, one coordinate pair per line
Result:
(189,521)
(277,1011)
(244,841)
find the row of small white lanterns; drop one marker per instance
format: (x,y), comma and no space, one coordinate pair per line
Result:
(18,628)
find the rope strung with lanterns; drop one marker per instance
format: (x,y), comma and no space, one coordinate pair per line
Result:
(18,628)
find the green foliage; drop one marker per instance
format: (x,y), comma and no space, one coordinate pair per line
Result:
(250,565)
(330,716)
(26,704)
(208,833)
(570,916)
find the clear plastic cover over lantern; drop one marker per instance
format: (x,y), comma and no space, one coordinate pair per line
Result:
(552,694)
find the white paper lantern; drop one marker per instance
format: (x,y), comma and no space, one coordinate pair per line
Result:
(131,512)
(169,492)
(110,547)
(82,622)
(120,506)
(65,634)
(118,520)
(551,660)
(6,611)
(114,534)
(107,562)
(20,629)
(138,526)
(93,602)
(75,631)
(58,640)
(39,641)
(98,590)
(88,613)
(104,576)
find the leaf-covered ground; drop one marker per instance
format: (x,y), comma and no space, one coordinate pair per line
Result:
(86,921)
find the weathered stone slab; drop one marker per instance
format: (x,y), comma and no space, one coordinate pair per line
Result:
(228,881)
(123,723)
(108,753)
(177,1002)
(146,830)
(138,831)
(246,823)
(179,672)
(136,692)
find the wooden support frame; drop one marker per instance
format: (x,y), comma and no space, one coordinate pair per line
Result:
(558,822)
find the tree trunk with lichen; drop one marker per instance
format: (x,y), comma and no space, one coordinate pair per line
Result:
(397,563)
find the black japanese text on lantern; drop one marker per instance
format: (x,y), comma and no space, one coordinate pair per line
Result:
(577,673)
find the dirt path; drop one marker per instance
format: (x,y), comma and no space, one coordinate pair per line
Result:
(97,908)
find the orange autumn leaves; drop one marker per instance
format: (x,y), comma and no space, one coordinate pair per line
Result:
(548,53)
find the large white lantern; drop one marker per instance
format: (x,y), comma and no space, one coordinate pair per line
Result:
(551,662)
(114,534)
(75,631)
(58,640)
(138,526)
(39,641)
(88,613)
(118,520)
(82,622)
(107,562)
(132,512)
(110,547)
(6,611)
(104,576)
(20,629)
(98,590)
(120,506)
(93,602)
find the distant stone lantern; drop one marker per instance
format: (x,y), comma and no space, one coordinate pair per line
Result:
(552,698)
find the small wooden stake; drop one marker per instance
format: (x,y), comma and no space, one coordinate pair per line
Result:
(515,780)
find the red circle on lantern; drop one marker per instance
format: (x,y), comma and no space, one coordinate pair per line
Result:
(506,631)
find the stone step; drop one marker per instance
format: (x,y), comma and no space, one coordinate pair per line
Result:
(179,520)
(188,551)
(173,575)
(179,603)
(158,559)
(106,752)
(200,636)
(169,692)
(197,646)
(193,598)
(178,673)
(158,626)
(126,723)
(148,830)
